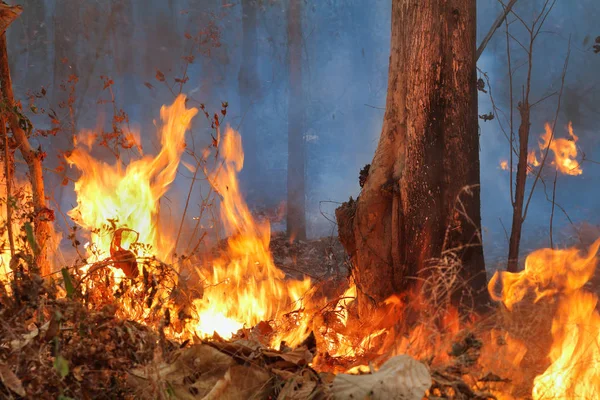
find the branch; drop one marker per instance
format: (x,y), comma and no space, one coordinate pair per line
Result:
(42,216)
(497,23)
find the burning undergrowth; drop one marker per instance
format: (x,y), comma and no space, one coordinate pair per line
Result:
(132,320)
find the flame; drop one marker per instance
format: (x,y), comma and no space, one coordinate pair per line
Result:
(574,354)
(244,287)
(504,165)
(110,197)
(532,159)
(563,149)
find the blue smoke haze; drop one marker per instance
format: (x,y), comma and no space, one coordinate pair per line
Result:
(345,61)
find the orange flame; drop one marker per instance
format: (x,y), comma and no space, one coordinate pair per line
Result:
(574,371)
(244,286)
(563,149)
(129,196)
(504,165)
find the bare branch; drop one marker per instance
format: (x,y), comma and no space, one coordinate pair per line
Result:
(497,23)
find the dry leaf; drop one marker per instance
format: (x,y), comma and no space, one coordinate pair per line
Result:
(297,388)
(299,356)
(400,377)
(18,344)
(11,381)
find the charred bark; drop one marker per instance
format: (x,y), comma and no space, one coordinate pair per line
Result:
(296,218)
(421,198)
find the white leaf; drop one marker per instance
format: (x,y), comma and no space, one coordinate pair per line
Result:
(400,377)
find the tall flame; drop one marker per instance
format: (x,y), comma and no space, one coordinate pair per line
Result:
(244,287)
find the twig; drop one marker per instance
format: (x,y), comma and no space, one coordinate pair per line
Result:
(8,175)
(494,27)
(562,85)
(552,213)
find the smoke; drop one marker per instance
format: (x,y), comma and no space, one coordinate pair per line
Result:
(345,60)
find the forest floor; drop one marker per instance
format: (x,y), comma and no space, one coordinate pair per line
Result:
(55,346)
(58,348)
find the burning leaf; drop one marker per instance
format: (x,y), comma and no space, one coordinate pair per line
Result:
(400,377)
(160,76)
(11,381)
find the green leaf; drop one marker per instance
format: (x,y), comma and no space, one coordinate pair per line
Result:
(30,237)
(68,283)
(61,397)
(61,366)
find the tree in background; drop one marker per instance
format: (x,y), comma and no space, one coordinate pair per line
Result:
(66,36)
(296,217)
(249,87)
(420,202)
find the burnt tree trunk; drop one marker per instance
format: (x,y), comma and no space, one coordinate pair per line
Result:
(421,197)
(296,218)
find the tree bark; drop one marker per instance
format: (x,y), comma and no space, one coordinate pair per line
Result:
(296,218)
(42,216)
(421,197)
(518,218)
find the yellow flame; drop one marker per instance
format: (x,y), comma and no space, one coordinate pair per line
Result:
(563,149)
(244,285)
(129,196)
(504,165)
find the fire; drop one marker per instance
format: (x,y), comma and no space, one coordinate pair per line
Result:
(119,205)
(574,354)
(563,149)
(532,159)
(243,287)
(504,165)
(112,197)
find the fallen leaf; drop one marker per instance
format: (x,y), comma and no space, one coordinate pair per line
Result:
(11,381)
(400,377)
(299,356)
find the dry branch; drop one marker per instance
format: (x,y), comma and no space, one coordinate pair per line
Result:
(42,216)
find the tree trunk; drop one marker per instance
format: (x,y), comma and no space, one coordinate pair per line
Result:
(421,198)
(249,87)
(296,218)
(518,202)
(42,216)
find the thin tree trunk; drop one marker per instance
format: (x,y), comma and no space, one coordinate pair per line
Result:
(8,174)
(296,218)
(421,197)
(42,216)
(249,87)
(517,220)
